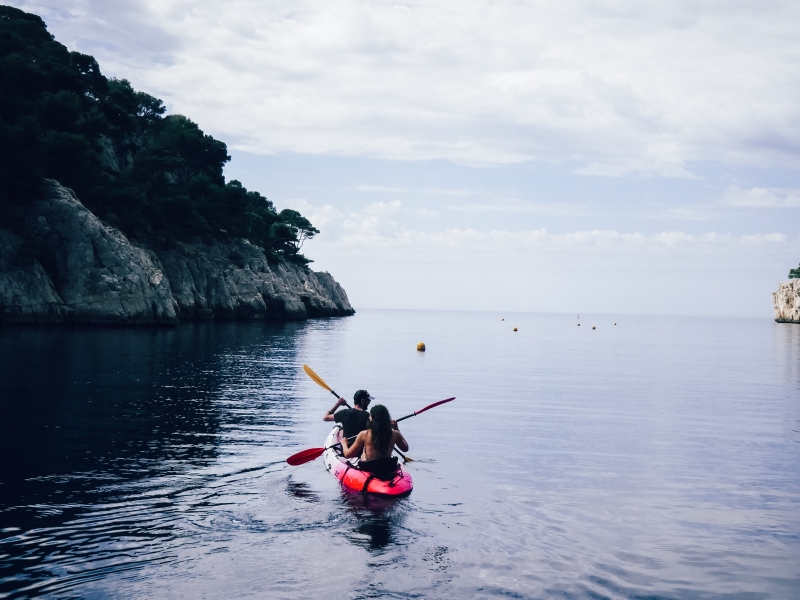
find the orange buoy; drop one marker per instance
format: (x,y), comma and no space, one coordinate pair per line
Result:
(515,328)
(421,347)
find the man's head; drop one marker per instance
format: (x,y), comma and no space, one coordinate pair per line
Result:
(362,399)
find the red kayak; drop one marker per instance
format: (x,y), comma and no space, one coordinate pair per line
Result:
(397,483)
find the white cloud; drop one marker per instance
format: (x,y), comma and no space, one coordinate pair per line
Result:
(602,239)
(637,167)
(762,197)
(686,213)
(386,262)
(381,225)
(382,189)
(517,206)
(426,191)
(615,88)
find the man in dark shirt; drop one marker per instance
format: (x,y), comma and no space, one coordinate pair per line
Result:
(353,420)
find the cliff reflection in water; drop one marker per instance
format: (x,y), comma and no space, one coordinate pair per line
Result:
(104,431)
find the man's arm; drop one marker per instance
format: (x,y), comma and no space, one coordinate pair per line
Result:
(329,415)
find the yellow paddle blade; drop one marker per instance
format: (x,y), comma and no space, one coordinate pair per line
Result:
(406,459)
(316,378)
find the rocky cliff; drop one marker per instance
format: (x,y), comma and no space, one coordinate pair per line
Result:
(786,302)
(66,266)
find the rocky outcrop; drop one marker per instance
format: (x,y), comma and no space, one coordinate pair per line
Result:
(234,280)
(82,270)
(26,292)
(68,266)
(786,302)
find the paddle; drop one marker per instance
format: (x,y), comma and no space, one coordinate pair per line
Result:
(310,454)
(430,406)
(318,380)
(305,456)
(408,459)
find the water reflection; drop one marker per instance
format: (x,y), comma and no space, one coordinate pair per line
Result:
(786,343)
(301,491)
(378,518)
(108,434)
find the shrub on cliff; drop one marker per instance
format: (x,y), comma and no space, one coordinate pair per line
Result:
(794,273)
(156,177)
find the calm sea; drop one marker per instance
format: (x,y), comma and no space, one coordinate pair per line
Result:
(655,458)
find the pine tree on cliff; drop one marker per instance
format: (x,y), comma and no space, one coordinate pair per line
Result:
(157,178)
(794,273)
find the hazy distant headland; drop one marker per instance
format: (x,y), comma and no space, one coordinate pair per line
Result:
(113,212)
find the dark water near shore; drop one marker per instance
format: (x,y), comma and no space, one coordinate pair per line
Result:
(659,458)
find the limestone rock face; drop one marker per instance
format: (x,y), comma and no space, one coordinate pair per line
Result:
(27,294)
(234,280)
(68,266)
(786,302)
(93,273)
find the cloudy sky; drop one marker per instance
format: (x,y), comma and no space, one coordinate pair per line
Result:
(571,156)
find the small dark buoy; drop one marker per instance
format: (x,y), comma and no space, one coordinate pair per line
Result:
(593,327)
(502,319)
(515,328)
(614,323)
(421,347)
(579,324)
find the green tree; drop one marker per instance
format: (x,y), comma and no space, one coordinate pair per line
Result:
(158,178)
(290,233)
(794,273)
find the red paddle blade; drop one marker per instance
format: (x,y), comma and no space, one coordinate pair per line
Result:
(305,456)
(434,404)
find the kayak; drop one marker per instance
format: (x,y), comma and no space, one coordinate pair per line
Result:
(346,471)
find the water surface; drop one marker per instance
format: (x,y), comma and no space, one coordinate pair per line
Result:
(655,458)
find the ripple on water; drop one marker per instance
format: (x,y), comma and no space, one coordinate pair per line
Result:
(660,459)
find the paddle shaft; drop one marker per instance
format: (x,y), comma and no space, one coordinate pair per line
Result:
(352,437)
(414,414)
(337,397)
(405,458)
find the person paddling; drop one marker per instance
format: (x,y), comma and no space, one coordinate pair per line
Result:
(375,444)
(353,420)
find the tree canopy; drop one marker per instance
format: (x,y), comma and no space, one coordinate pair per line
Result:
(794,273)
(157,178)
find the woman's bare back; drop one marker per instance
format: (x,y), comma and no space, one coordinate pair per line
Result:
(366,445)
